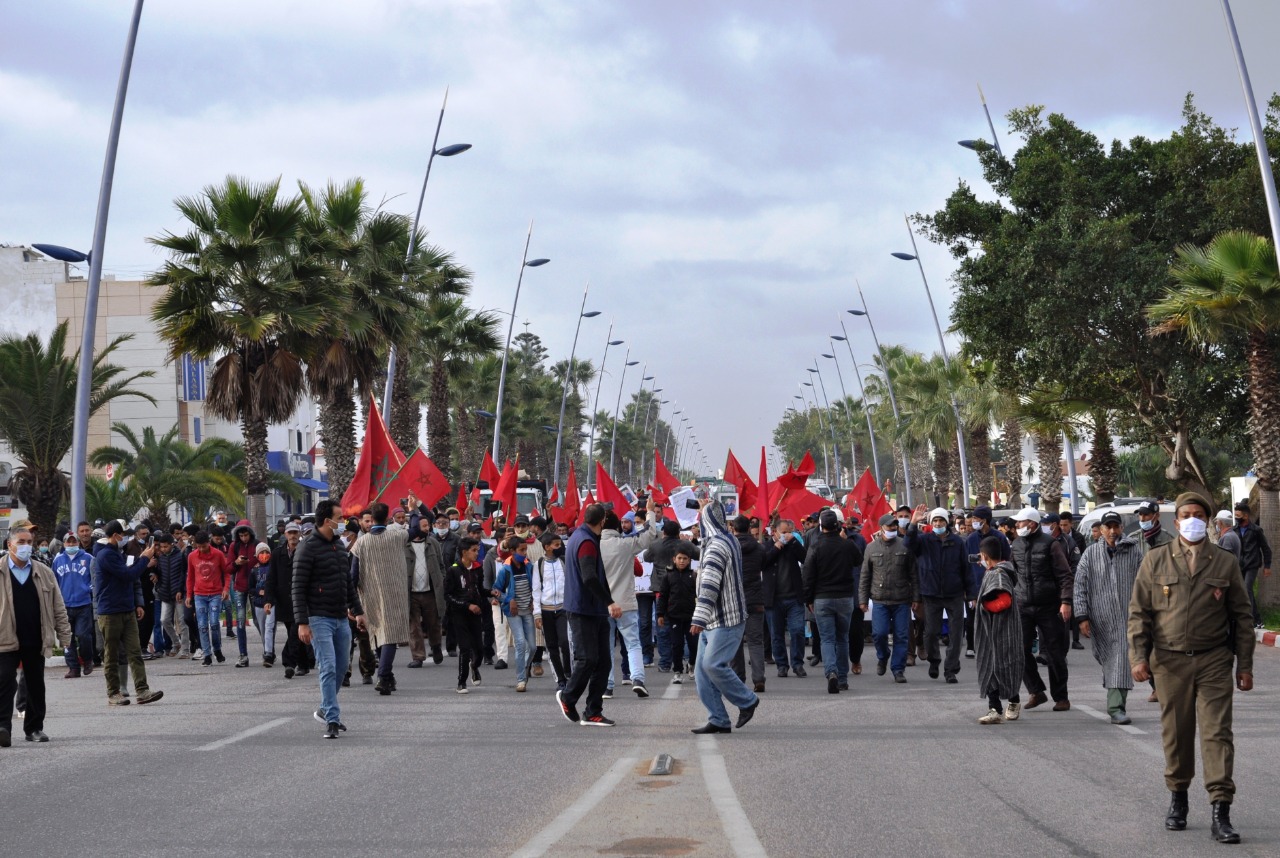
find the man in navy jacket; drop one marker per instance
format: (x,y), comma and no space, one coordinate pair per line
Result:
(119,610)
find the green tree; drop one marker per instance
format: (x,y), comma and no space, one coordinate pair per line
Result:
(37,412)
(1228,289)
(238,290)
(453,335)
(1055,273)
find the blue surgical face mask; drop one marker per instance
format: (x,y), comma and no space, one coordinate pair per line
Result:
(904,523)
(441,532)
(23,552)
(453,524)
(940,529)
(889,535)
(1147,525)
(72,550)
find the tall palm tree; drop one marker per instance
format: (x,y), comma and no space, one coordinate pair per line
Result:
(1103,467)
(106,499)
(452,335)
(1232,287)
(37,412)
(475,388)
(238,288)
(361,253)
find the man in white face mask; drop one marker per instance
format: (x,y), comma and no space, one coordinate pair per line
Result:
(1190,625)
(1045,590)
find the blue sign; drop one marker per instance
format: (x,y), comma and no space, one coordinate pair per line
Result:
(193,378)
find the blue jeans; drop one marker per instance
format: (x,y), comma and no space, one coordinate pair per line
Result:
(159,640)
(207,610)
(81,649)
(832,616)
(882,616)
(238,600)
(331,639)
(522,630)
(629,627)
(713,673)
(788,615)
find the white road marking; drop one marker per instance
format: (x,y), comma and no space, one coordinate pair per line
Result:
(244,734)
(574,813)
(737,827)
(672,692)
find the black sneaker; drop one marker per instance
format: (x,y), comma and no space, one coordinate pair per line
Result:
(383,687)
(570,712)
(597,721)
(800,671)
(346,681)
(881,664)
(475,676)
(608,694)
(833,684)
(288,673)
(206,661)
(782,673)
(331,730)
(640,690)
(500,664)
(217,653)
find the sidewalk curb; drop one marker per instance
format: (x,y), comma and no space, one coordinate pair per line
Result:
(1267,638)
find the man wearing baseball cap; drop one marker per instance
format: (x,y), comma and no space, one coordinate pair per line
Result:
(1044,595)
(1104,584)
(1190,626)
(1153,534)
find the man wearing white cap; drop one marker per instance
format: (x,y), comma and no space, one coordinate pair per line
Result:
(1225,523)
(1045,590)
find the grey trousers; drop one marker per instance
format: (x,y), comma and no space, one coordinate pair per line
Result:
(933,608)
(753,643)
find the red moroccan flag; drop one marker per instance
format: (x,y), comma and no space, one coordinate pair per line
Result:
(380,458)
(586,502)
(869,498)
(489,470)
(663,477)
(461,503)
(763,510)
(505,490)
(796,477)
(555,496)
(572,506)
(609,491)
(734,473)
(420,477)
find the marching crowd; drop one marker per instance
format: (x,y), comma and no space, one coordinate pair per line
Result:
(721,601)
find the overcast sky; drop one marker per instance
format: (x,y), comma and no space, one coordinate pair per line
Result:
(720,172)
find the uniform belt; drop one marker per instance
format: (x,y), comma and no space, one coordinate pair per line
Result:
(1193,652)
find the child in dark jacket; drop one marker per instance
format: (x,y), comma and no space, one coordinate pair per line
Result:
(260,595)
(676,601)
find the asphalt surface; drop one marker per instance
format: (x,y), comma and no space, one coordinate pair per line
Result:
(231,763)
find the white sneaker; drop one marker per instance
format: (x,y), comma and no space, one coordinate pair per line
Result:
(993,716)
(197,655)
(678,679)
(1012,711)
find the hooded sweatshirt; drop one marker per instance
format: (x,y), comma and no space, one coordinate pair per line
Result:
(721,601)
(618,552)
(237,548)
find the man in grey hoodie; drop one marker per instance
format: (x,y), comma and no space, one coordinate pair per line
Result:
(618,553)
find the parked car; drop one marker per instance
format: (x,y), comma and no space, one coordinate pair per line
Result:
(1127,507)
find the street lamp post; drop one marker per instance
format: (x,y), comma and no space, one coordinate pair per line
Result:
(888,381)
(595,406)
(831,423)
(443,152)
(875,458)
(645,432)
(525,262)
(946,362)
(822,426)
(583,313)
(613,436)
(84,371)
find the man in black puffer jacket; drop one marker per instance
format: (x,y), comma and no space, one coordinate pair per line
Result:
(170,591)
(753,590)
(324,595)
(830,578)
(1045,590)
(296,656)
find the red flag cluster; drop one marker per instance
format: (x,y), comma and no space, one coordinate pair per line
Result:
(419,477)
(380,460)
(867,500)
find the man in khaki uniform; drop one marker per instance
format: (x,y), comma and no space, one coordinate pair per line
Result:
(1189,623)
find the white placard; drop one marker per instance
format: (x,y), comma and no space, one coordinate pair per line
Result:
(687,517)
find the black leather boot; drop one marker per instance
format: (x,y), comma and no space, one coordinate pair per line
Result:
(1177,817)
(1221,829)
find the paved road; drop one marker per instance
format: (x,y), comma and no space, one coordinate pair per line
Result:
(230,763)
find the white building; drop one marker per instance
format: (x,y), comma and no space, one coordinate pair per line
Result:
(39,293)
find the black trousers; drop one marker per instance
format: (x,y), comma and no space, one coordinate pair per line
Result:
(469,631)
(857,635)
(1053,646)
(32,661)
(592,659)
(295,653)
(368,663)
(555,630)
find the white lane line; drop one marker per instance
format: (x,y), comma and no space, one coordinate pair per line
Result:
(1102,716)
(574,813)
(672,692)
(244,734)
(737,828)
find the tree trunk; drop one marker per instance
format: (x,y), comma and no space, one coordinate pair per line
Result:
(920,479)
(255,471)
(955,485)
(980,463)
(439,441)
(1011,441)
(943,459)
(1049,460)
(1104,470)
(338,433)
(405,415)
(1269,521)
(43,498)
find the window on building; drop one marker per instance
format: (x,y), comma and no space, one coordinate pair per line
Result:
(298,433)
(195,429)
